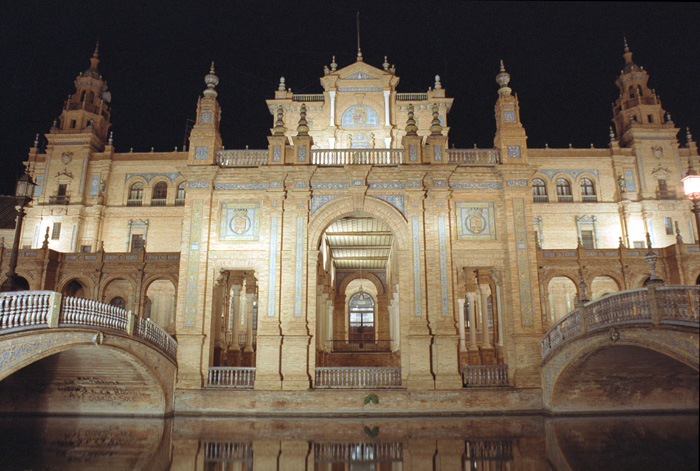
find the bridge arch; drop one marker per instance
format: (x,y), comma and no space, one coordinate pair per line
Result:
(636,367)
(84,371)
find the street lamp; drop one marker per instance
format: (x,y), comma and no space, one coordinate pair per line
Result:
(23,195)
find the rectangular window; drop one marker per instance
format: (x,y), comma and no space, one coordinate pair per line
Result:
(137,242)
(86,248)
(668,224)
(62,188)
(650,118)
(56,232)
(587,240)
(638,244)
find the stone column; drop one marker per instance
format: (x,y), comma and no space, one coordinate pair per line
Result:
(484,291)
(249,296)
(462,336)
(471,296)
(329,335)
(233,321)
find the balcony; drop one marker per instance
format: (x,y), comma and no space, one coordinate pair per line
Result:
(589,198)
(540,198)
(59,199)
(358,377)
(665,195)
(357,156)
(232,376)
(134,203)
(565,198)
(158,202)
(180,202)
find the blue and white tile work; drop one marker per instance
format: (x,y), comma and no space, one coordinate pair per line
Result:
(239,221)
(476,220)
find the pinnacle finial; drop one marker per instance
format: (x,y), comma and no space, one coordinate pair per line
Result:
(627,48)
(36,141)
(279,124)
(503,69)
(212,80)
(688,136)
(612,134)
(334,65)
(282,86)
(435,126)
(385,64)
(303,126)
(438,85)
(502,79)
(411,128)
(97,50)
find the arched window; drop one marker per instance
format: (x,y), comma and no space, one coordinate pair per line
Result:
(631,90)
(564,190)
(361,309)
(587,190)
(160,193)
(135,194)
(92,97)
(539,191)
(180,196)
(119,302)
(82,96)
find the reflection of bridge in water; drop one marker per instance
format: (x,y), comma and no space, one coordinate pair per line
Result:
(74,355)
(635,349)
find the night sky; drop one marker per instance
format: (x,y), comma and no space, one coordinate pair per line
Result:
(563,59)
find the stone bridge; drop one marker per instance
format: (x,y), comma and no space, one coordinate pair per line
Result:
(78,356)
(631,350)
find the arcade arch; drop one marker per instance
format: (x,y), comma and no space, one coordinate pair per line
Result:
(561,292)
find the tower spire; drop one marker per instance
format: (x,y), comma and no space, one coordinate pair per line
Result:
(359,51)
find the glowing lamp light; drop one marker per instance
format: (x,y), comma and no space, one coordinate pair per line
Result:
(691,186)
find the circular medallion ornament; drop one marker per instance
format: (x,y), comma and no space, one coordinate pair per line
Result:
(475,222)
(240,223)
(359,115)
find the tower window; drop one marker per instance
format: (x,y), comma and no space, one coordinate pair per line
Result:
(135,194)
(539,191)
(587,190)
(564,190)
(56,232)
(668,224)
(160,193)
(72,123)
(650,118)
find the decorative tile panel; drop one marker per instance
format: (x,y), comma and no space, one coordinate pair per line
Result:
(517,183)
(439,183)
(414,183)
(397,201)
(387,185)
(205,117)
(509,116)
(437,150)
(417,295)
(301,154)
(330,186)
(629,177)
(360,76)
(239,221)
(442,242)
(39,185)
(359,116)
(514,152)
(276,153)
(94,184)
(521,254)
(358,182)
(573,172)
(298,267)
(476,221)
(272,285)
(413,153)
(319,200)
(193,263)
(172,176)
(275,183)
(197,184)
(301,184)
(201,152)
(477,185)
(240,186)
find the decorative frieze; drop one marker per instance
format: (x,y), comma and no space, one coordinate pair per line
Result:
(477,185)
(240,186)
(172,176)
(396,201)
(522,183)
(387,185)
(319,200)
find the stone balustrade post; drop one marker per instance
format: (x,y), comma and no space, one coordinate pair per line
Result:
(249,321)
(462,335)
(471,296)
(655,307)
(233,317)
(130,323)
(52,316)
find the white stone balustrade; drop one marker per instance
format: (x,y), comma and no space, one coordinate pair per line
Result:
(242,157)
(473,156)
(358,377)
(232,376)
(357,156)
(674,305)
(484,375)
(47,309)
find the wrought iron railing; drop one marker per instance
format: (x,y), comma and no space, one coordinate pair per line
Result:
(358,377)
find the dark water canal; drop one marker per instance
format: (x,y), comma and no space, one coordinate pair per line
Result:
(651,442)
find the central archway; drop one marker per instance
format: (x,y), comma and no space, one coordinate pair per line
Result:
(359,243)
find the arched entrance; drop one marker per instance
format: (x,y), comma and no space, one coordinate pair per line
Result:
(159,305)
(359,278)
(561,293)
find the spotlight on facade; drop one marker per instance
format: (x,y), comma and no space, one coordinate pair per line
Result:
(691,188)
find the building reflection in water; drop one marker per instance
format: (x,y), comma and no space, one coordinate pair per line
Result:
(410,444)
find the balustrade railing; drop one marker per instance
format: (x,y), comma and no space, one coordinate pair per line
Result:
(474,156)
(47,309)
(411,96)
(25,309)
(358,452)
(677,305)
(358,377)
(484,375)
(361,345)
(357,156)
(242,157)
(227,452)
(308,97)
(232,376)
